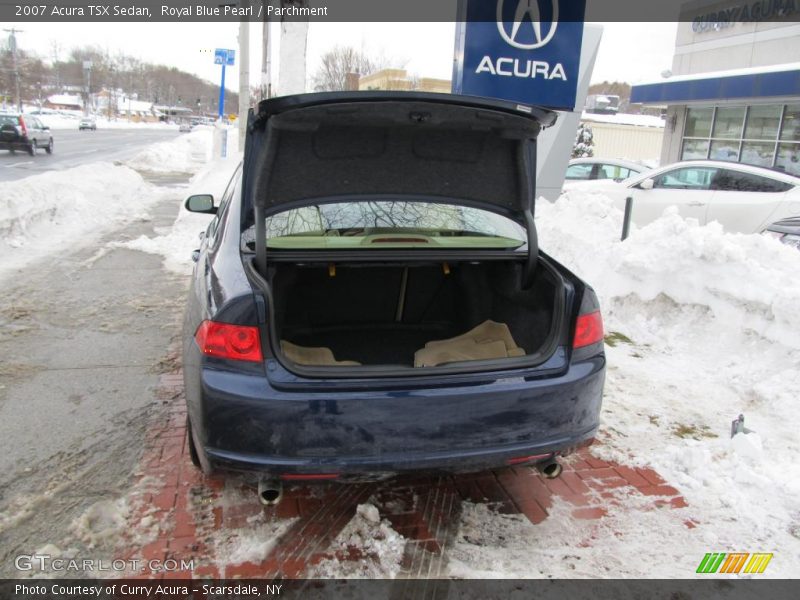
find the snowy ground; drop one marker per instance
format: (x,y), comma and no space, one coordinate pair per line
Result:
(701,326)
(70,121)
(42,215)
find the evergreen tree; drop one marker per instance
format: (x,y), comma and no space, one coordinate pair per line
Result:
(584,142)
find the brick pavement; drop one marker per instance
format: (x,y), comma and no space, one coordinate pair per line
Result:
(190,516)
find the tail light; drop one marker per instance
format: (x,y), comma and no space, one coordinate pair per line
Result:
(588,338)
(23,129)
(224,340)
(588,330)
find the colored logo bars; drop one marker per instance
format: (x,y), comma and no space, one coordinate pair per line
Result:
(735,562)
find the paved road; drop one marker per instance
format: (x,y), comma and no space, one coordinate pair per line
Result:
(74,148)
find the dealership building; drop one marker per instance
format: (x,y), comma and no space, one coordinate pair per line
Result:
(733,92)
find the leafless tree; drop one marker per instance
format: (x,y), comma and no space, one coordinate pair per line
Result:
(341,60)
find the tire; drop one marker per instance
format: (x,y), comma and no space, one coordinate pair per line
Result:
(32,149)
(192,448)
(49,147)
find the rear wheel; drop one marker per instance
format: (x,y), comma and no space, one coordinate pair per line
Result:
(49,147)
(32,148)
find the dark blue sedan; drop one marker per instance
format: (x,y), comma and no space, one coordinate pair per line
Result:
(370,298)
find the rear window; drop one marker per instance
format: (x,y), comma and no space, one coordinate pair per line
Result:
(386,223)
(9,120)
(736,181)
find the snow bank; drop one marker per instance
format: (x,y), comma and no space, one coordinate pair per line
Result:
(746,281)
(184,154)
(176,243)
(704,326)
(57,210)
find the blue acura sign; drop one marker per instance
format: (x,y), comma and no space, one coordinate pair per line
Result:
(525,51)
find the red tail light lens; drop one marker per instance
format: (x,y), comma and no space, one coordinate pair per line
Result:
(22,127)
(223,340)
(588,330)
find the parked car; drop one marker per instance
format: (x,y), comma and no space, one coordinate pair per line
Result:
(87,123)
(370,298)
(787,231)
(743,198)
(590,169)
(24,132)
(185,128)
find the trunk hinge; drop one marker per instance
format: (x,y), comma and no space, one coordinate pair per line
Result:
(261,241)
(533,251)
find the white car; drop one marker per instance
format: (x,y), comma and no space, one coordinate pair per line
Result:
(591,169)
(743,198)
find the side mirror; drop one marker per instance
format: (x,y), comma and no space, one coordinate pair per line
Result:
(201,203)
(647,184)
(46,127)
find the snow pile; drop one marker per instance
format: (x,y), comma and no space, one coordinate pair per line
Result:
(63,209)
(676,258)
(702,326)
(176,243)
(184,154)
(368,546)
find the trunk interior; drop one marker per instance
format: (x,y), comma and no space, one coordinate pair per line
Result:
(382,314)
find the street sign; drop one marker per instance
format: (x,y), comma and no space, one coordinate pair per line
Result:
(524,51)
(223,56)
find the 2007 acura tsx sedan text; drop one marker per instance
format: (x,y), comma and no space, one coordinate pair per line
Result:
(370,298)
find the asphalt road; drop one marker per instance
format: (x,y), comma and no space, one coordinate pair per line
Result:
(75,148)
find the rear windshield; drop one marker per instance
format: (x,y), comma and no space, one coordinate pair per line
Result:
(391,224)
(9,120)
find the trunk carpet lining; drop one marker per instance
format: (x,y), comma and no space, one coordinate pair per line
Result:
(396,344)
(390,344)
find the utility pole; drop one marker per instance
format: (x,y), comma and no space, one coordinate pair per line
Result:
(266,56)
(244,76)
(294,41)
(12,45)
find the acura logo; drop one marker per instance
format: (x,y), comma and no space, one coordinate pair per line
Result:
(527,10)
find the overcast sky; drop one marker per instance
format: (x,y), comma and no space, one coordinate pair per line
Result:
(629,52)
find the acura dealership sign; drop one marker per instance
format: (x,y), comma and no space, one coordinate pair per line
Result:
(520,50)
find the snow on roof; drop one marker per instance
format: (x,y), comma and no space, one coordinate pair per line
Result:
(728,73)
(124,104)
(624,119)
(65,99)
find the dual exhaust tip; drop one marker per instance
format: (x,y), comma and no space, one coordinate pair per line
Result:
(270,491)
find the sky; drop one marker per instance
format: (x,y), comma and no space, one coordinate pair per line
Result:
(424,49)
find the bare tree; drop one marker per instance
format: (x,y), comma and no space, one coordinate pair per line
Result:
(338,62)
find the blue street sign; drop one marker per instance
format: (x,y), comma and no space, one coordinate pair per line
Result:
(524,51)
(223,56)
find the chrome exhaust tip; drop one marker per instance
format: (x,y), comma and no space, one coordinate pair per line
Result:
(550,469)
(270,491)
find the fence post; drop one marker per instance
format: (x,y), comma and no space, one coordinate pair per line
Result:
(626,219)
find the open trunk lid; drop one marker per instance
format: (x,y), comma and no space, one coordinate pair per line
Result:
(314,149)
(309,148)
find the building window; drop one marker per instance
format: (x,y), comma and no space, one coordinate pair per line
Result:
(765,135)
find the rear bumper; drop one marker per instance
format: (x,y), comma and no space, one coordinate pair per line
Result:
(245,424)
(15,145)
